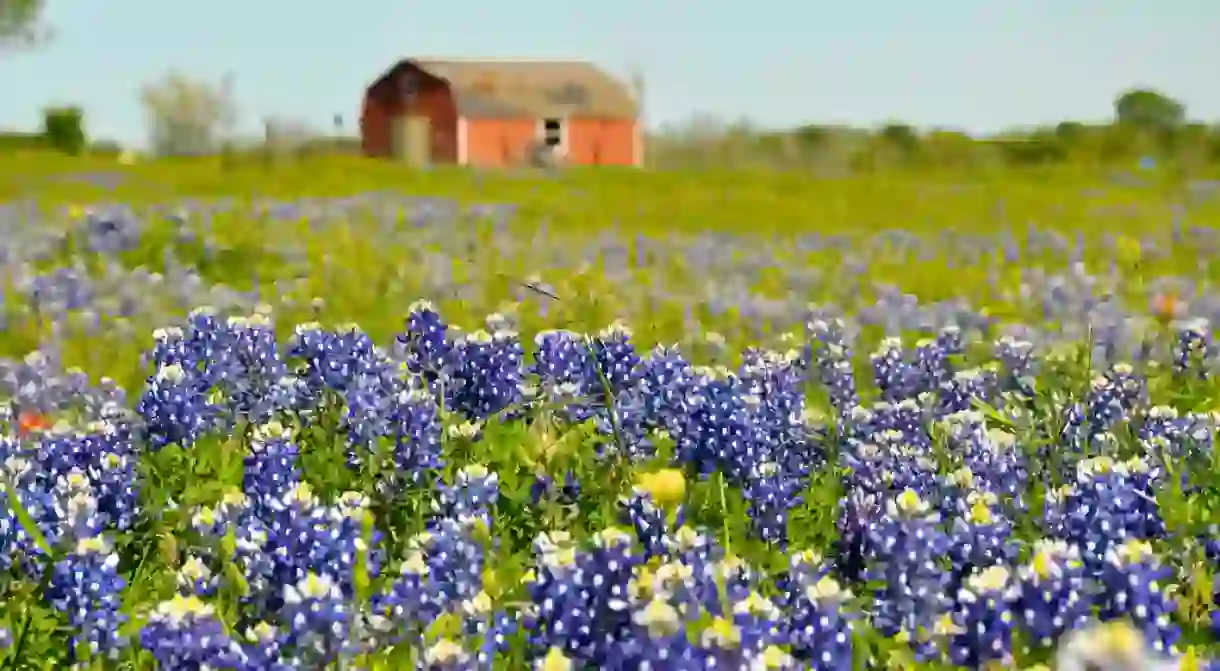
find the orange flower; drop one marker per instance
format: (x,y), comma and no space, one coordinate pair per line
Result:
(31,422)
(1165,306)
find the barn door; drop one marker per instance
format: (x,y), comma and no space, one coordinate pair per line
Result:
(413,140)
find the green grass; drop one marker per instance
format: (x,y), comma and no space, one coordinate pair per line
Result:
(369,277)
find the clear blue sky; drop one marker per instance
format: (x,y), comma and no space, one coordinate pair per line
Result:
(973,65)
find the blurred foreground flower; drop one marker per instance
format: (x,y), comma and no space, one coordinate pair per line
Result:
(1110,646)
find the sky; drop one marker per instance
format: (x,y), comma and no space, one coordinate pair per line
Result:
(974,66)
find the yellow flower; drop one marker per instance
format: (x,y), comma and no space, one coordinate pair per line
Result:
(660,618)
(980,513)
(722,634)
(667,487)
(555,661)
(909,502)
(1043,564)
(774,657)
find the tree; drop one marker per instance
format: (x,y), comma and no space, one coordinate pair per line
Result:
(902,138)
(187,116)
(1149,110)
(21,22)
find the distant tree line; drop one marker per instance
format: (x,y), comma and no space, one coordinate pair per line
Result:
(1146,123)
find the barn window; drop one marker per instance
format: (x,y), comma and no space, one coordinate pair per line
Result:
(553,133)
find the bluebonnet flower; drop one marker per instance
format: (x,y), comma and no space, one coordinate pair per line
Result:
(991,461)
(416,429)
(1171,439)
(1112,396)
(1018,365)
(894,376)
(831,358)
(664,379)
(472,495)
(271,465)
(966,387)
(318,619)
(1101,509)
(1193,348)
(237,361)
(170,347)
(615,356)
(821,628)
(983,620)
(112,229)
(263,649)
(486,627)
(112,472)
(721,432)
(651,522)
(184,633)
(74,513)
(562,358)
(771,492)
(981,537)
(1053,596)
(1135,585)
(486,376)
(907,418)
(86,586)
(300,535)
(339,360)
(425,347)
(174,407)
(777,381)
(249,368)
(410,601)
(906,545)
(931,362)
(579,597)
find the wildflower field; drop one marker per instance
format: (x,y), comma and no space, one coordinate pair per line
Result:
(340,416)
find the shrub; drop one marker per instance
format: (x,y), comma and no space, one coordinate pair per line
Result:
(63,129)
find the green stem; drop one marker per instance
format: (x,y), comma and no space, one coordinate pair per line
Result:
(48,568)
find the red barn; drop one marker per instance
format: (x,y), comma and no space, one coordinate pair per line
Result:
(500,113)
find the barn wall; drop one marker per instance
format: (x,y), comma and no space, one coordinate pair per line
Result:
(498,143)
(432,98)
(601,142)
(507,142)
(375,137)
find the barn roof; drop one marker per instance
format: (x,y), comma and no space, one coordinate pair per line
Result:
(540,89)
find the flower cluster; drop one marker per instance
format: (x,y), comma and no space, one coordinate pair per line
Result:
(369,503)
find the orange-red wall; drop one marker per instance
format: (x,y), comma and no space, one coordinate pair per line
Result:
(505,142)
